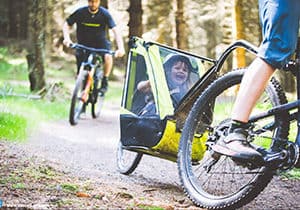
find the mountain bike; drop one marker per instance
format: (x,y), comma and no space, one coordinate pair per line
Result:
(220,182)
(87,84)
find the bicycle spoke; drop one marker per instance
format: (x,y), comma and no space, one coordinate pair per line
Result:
(218,181)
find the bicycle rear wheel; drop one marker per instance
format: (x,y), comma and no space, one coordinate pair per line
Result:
(97,106)
(127,161)
(216,181)
(76,102)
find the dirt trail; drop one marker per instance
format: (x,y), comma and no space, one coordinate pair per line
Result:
(89,150)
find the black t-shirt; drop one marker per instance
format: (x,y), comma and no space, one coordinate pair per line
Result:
(91,27)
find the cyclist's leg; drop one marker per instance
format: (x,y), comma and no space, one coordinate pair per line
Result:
(108,63)
(79,59)
(280,21)
(259,72)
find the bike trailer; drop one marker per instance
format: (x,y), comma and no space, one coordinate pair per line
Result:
(153,92)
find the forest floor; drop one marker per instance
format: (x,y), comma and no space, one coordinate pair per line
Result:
(62,166)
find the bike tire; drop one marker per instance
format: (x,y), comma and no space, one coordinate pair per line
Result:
(223,184)
(97,106)
(127,161)
(76,102)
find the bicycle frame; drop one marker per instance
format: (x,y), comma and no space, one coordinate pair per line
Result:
(188,100)
(91,65)
(90,79)
(277,110)
(86,86)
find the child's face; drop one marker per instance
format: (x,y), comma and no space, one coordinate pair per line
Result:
(179,73)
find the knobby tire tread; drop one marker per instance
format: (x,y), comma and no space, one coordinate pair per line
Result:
(74,99)
(184,168)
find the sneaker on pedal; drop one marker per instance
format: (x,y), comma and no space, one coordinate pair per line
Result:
(104,86)
(235,145)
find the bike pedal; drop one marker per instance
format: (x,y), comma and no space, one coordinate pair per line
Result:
(293,152)
(101,94)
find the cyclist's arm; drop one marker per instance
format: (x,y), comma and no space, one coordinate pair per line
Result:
(120,51)
(144,86)
(66,32)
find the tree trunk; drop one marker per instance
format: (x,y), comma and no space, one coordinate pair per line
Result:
(4,23)
(104,3)
(23,19)
(287,81)
(181,27)
(13,20)
(31,65)
(36,53)
(49,27)
(239,58)
(135,18)
(18,16)
(160,21)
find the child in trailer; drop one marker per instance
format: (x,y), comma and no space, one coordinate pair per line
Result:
(178,70)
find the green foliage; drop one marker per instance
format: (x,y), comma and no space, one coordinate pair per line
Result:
(16,114)
(114,92)
(70,187)
(12,126)
(18,186)
(40,172)
(293,174)
(11,67)
(35,111)
(12,178)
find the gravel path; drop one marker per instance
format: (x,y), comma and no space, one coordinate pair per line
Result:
(89,150)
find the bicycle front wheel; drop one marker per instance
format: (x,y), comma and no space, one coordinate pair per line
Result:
(77,104)
(216,181)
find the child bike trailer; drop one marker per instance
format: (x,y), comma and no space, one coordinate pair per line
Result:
(159,81)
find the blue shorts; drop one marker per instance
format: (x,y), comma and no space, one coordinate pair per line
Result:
(280,25)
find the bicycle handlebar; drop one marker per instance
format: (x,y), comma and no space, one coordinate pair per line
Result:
(96,50)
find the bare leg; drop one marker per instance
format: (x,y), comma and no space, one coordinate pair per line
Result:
(253,84)
(108,62)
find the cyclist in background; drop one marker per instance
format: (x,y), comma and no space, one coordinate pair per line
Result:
(280,25)
(91,22)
